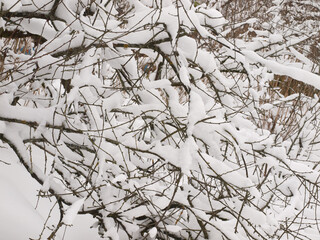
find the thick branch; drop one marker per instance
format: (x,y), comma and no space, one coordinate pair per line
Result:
(20,34)
(8,14)
(29,168)
(36,124)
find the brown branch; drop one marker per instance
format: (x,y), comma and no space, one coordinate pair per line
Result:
(30,15)
(29,169)
(20,34)
(36,124)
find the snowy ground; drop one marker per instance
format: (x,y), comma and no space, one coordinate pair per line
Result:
(20,215)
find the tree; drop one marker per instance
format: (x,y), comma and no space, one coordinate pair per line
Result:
(153,122)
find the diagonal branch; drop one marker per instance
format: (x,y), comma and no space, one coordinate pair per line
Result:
(30,15)
(36,124)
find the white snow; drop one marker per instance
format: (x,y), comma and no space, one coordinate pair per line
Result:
(20,209)
(18,216)
(72,212)
(119,178)
(212,17)
(39,27)
(206,131)
(153,232)
(275,38)
(184,76)
(280,69)
(173,228)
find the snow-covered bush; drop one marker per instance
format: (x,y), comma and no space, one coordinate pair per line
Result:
(151,121)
